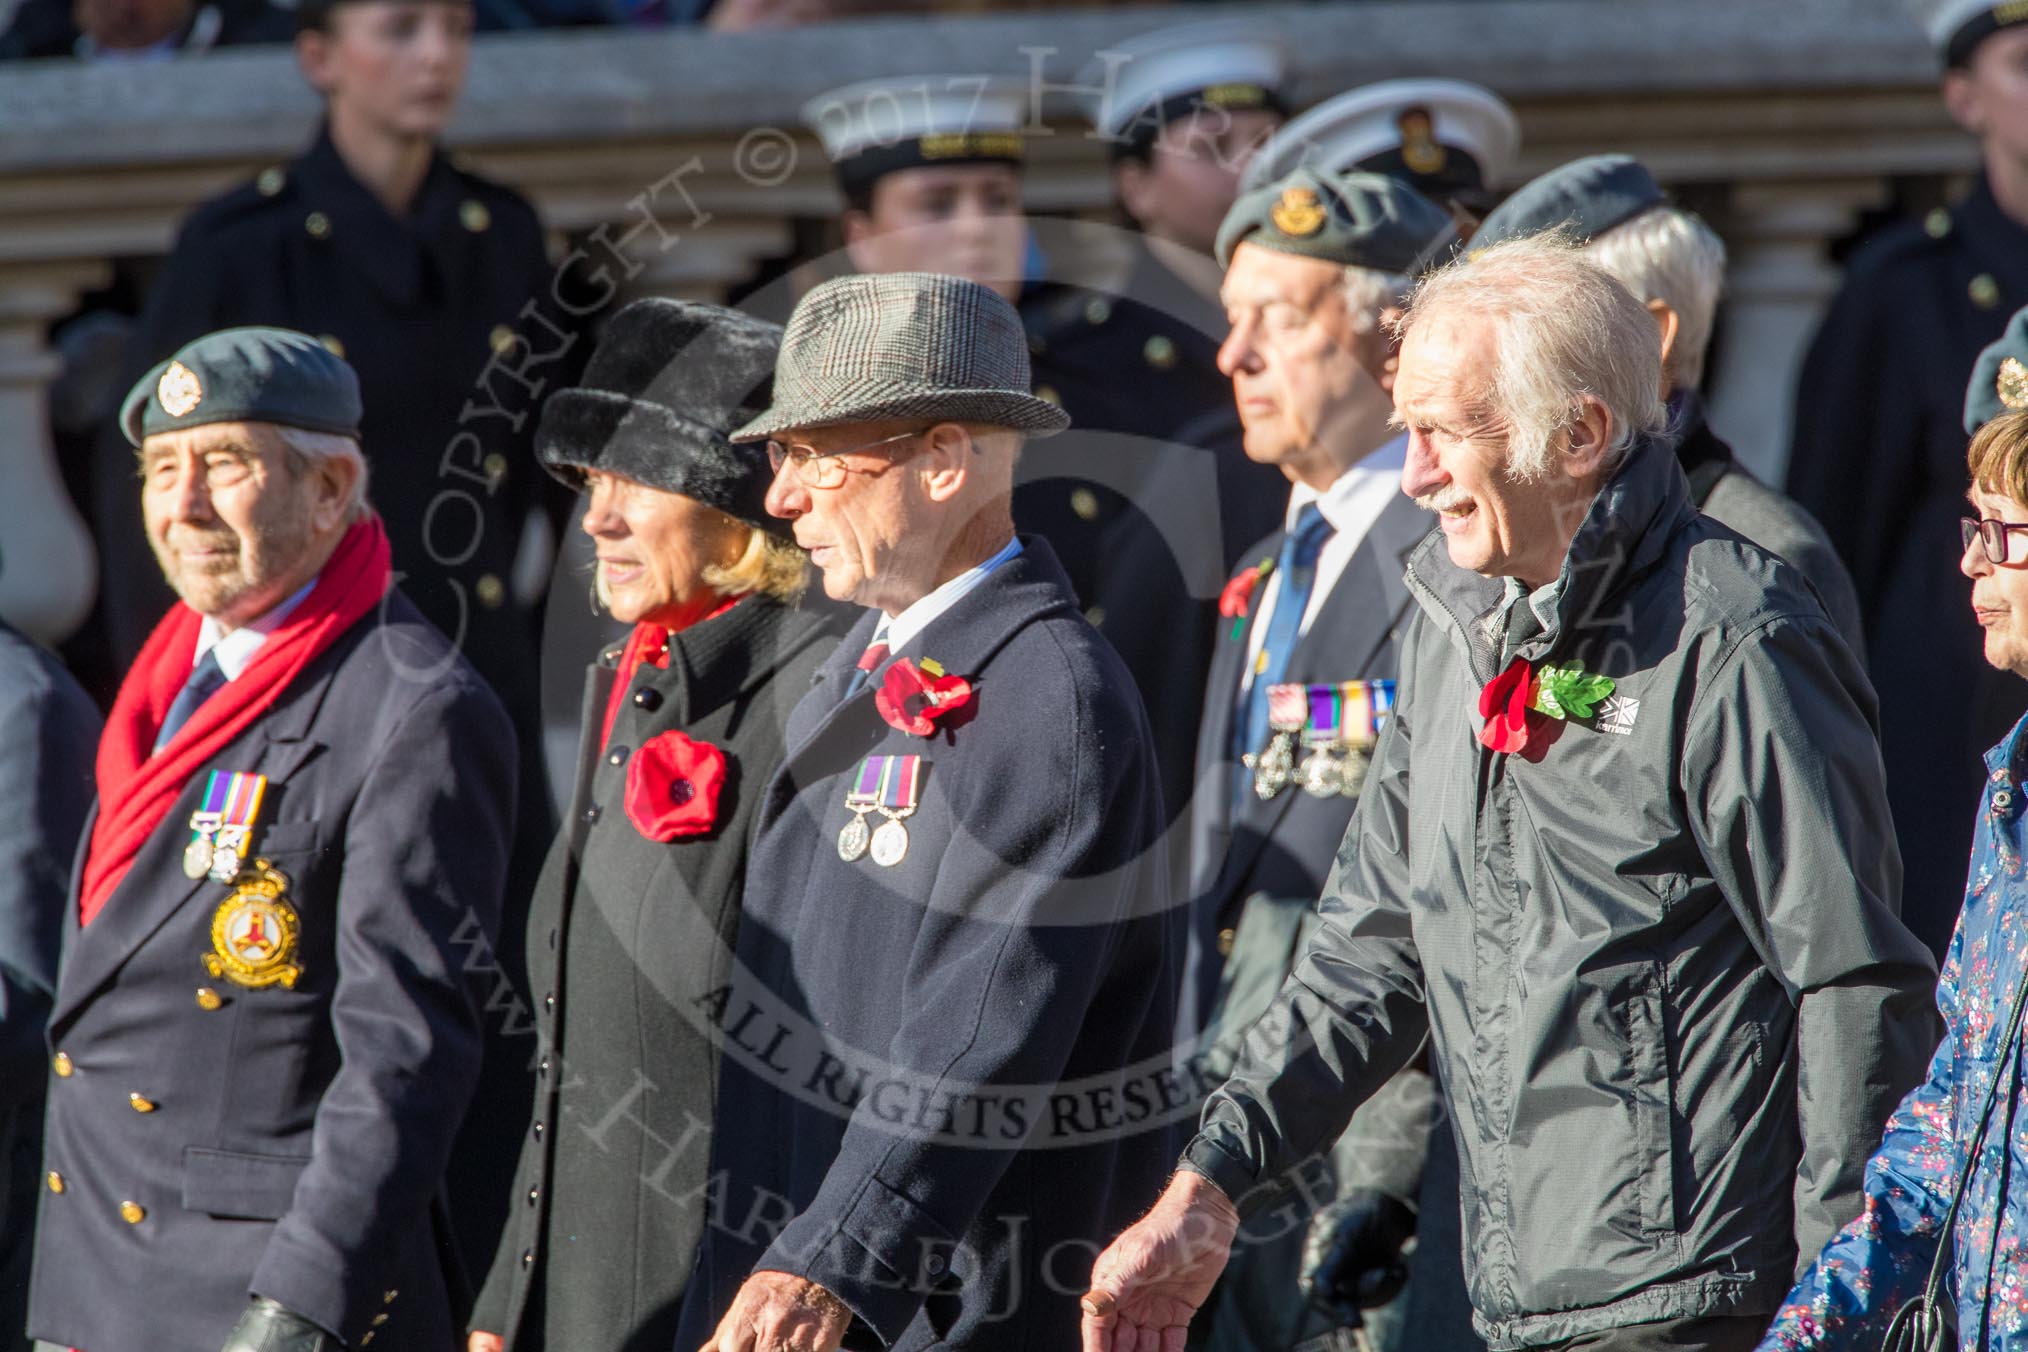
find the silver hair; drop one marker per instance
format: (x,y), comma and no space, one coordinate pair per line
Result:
(328,446)
(1669,255)
(1368,292)
(1563,330)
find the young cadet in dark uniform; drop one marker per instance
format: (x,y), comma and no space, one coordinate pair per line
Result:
(1675,265)
(264,1034)
(1301,682)
(1879,459)
(635,915)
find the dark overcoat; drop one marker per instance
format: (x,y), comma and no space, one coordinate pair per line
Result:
(1879,460)
(944,1079)
(207,1140)
(626,935)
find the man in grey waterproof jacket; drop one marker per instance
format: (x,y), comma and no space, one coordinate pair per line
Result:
(1623,855)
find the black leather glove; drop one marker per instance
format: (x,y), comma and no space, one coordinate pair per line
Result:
(1352,1257)
(267,1327)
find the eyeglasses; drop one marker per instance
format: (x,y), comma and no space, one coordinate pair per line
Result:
(1998,538)
(822,469)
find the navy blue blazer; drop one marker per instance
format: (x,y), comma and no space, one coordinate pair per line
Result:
(208,1140)
(1283,846)
(946,1082)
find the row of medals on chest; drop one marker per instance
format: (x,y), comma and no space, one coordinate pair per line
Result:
(1335,725)
(255,931)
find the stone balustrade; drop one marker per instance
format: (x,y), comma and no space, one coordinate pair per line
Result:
(1782,121)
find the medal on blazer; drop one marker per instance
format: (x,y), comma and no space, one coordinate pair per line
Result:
(860,799)
(1275,764)
(254,932)
(1344,723)
(888,785)
(222,828)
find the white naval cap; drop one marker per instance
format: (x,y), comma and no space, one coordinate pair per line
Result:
(1137,87)
(1956,27)
(1445,138)
(875,127)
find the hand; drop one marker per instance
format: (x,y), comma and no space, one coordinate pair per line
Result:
(485,1342)
(780,1312)
(1152,1279)
(1352,1254)
(267,1327)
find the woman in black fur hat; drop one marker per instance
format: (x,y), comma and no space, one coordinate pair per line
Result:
(632,922)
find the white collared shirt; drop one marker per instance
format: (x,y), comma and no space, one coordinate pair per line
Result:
(1352,503)
(898,631)
(237,648)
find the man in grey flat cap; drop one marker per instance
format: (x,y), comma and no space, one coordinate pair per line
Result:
(1879,458)
(1675,265)
(1302,676)
(948,1032)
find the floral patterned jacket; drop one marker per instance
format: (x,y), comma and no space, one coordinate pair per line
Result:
(1882,1259)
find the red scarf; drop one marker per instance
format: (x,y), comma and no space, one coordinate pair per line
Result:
(648,643)
(136,788)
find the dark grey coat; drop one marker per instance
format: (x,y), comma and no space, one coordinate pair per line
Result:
(626,934)
(1658,955)
(945,1081)
(297,1137)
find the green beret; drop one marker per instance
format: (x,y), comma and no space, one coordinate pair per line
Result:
(2000,376)
(245,375)
(1355,219)
(1587,197)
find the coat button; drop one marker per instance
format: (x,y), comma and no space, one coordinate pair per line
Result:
(1225,938)
(500,338)
(207,998)
(490,590)
(1159,352)
(549,1003)
(379,1319)
(62,1065)
(533,1193)
(332,344)
(55,1181)
(133,1213)
(934,1265)
(318,225)
(538,1131)
(648,700)
(618,756)
(472,214)
(271,181)
(591,815)
(528,1258)
(141,1103)
(2003,799)
(366,1337)
(1085,503)
(1984,291)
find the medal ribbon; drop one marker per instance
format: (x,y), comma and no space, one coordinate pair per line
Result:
(898,781)
(1288,708)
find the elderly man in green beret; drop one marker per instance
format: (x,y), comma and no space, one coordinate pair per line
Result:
(264,1035)
(1312,263)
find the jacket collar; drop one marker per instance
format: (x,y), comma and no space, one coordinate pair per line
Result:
(1623,534)
(712,662)
(403,260)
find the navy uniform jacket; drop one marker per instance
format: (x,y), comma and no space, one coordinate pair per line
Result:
(415,307)
(923,1106)
(206,1140)
(1879,460)
(48,736)
(625,934)
(1148,495)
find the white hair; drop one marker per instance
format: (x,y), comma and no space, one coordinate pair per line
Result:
(1563,330)
(329,446)
(1672,256)
(1368,292)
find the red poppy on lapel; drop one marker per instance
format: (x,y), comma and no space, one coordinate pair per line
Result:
(912,698)
(1237,598)
(1503,703)
(673,786)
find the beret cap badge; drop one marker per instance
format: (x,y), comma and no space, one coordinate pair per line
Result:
(2011,384)
(1299,213)
(178,390)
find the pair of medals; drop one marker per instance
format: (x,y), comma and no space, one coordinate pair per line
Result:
(888,785)
(254,931)
(221,830)
(1334,725)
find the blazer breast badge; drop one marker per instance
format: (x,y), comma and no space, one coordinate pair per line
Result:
(255,932)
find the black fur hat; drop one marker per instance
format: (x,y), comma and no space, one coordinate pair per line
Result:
(670,380)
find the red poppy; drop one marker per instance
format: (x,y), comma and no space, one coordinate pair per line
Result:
(911,698)
(1238,594)
(673,786)
(1503,703)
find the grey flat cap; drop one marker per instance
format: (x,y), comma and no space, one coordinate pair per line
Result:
(2000,376)
(245,375)
(903,345)
(1587,197)
(1356,219)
